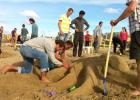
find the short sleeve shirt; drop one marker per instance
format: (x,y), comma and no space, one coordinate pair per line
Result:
(134,19)
(66,21)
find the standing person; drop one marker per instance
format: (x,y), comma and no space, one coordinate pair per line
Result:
(45,50)
(19,39)
(98,36)
(14,33)
(133,12)
(34,28)
(124,37)
(1,32)
(87,39)
(79,23)
(64,25)
(24,33)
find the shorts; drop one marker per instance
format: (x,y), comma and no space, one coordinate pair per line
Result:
(135,45)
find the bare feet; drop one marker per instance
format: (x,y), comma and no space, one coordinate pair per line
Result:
(45,80)
(135,93)
(44,77)
(4,69)
(7,68)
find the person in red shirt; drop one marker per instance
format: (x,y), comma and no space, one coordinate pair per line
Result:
(87,39)
(124,37)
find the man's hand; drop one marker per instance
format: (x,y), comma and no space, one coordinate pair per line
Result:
(67,64)
(77,30)
(114,22)
(84,30)
(61,33)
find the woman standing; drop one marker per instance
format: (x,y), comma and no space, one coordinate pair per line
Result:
(124,37)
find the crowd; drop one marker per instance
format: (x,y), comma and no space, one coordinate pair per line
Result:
(52,52)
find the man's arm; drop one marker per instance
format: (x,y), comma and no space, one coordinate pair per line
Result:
(53,58)
(59,26)
(73,22)
(27,31)
(127,12)
(59,57)
(86,23)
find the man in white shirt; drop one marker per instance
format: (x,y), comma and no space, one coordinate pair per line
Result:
(97,36)
(43,49)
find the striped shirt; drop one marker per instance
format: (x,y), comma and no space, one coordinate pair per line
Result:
(66,21)
(134,19)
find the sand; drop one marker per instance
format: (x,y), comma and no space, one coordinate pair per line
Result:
(86,74)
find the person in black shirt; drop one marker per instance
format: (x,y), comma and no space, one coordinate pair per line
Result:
(79,23)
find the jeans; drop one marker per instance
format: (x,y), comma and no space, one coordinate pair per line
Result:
(29,54)
(64,37)
(95,44)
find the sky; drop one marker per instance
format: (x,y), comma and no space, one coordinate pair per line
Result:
(14,13)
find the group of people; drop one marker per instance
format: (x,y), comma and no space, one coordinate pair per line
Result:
(78,24)
(24,32)
(52,52)
(121,40)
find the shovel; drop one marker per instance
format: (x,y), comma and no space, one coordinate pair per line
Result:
(105,92)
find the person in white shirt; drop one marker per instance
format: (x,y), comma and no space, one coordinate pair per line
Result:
(97,36)
(47,51)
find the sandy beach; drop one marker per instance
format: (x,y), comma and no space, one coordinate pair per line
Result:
(86,75)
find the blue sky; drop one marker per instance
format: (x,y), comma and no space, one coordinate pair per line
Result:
(13,13)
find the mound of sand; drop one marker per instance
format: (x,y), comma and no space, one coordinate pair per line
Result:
(86,74)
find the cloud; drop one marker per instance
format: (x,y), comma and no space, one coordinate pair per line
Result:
(111,10)
(91,2)
(30,13)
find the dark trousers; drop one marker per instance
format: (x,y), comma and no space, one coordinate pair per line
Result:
(78,40)
(95,45)
(116,42)
(124,44)
(87,43)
